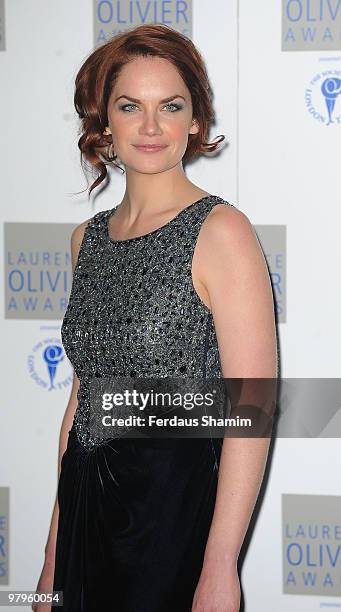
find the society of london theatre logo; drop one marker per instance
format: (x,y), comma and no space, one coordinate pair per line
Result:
(48,366)
(322,97)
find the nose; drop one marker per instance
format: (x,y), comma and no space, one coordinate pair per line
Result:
(150,125)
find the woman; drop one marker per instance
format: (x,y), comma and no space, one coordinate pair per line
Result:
(152,525)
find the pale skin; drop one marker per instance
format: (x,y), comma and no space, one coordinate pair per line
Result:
(230,276)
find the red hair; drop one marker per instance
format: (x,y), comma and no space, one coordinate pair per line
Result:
(98,74)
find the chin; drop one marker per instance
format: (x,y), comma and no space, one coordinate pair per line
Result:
(149,167)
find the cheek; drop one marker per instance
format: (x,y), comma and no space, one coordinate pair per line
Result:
(122,124)
(122,129)
(178,130)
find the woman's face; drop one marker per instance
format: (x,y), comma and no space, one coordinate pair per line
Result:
(138,115)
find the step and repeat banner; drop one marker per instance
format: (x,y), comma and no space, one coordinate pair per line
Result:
(275,70)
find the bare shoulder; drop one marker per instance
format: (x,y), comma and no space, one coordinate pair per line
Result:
(228,249)
(76,241)
(228,228)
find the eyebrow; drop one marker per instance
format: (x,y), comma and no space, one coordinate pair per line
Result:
(138,101)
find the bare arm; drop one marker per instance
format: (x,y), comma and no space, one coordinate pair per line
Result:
(236,279)
(76,240)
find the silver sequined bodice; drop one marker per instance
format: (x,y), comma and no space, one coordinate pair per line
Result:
(133,310)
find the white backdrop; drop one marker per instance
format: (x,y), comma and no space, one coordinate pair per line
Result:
(281,167)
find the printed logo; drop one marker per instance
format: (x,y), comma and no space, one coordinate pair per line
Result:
(48,366)
(311,25)
(38,271)
(4,535)
(311,544)
(272,239)
(322,97)
(114,16)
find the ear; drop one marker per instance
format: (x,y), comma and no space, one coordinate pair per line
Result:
(107,131)
(194,129)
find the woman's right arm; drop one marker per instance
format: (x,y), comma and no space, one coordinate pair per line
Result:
(76,241)
(45,582)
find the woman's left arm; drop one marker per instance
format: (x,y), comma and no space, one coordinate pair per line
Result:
(236,278)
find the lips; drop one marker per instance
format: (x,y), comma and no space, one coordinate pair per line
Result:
(149,147)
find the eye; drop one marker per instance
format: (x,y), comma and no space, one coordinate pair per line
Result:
(175,106)
(123,108)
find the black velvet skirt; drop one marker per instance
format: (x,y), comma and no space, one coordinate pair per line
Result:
(134,518)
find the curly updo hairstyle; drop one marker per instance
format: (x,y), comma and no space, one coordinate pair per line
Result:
(97,76)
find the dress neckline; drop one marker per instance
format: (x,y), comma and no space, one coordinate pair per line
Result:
(113,210)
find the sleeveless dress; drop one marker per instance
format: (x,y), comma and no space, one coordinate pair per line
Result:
(135,513)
